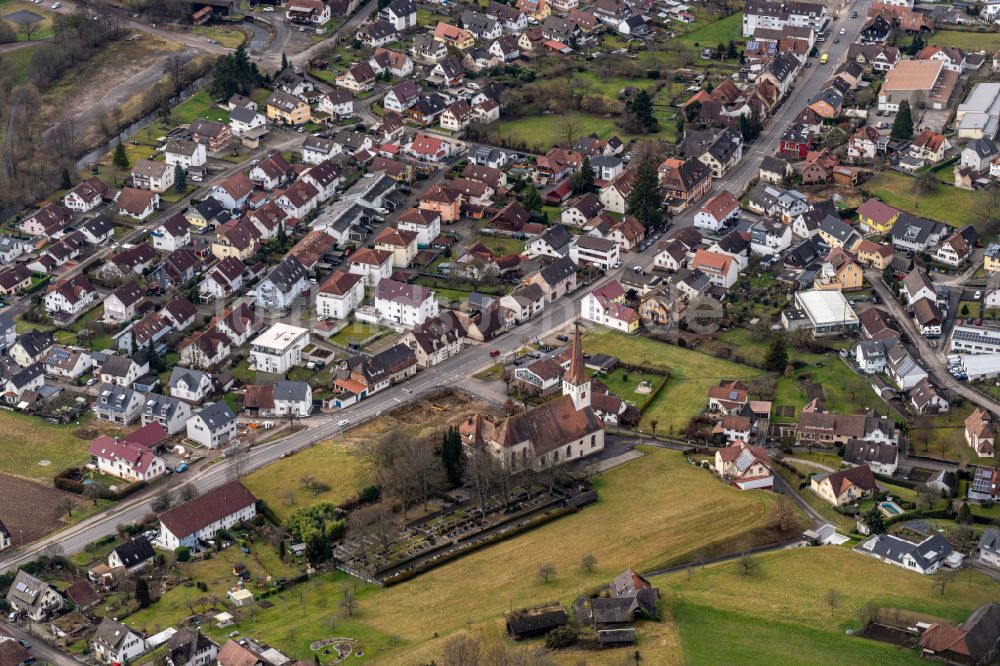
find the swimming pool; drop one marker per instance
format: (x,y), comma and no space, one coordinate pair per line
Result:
(890,508)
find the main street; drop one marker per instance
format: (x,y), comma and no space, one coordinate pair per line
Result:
(557,316)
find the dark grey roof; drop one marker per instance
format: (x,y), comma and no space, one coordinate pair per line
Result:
(990,541)
(135,552)
(114,398)
(190,377)
(933,549)
(36,342)
(860,452)
(243,114)
(99,226)
(290,390)
(217,415)
(556,236)
(836,228)
(558,270)
(161,406)
(287,274)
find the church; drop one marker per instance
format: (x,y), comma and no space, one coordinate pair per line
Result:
(560,430)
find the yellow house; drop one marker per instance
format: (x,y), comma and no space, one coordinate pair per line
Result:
(845,486)
(538,10)
(870,253)
(238,241)
(991,260)
(452,35)
(288,109)
(839,272)
(877,216)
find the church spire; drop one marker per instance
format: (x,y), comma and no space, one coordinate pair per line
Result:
(576,374)
(576,383)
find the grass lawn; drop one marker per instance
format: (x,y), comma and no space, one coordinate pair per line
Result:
(969,309)
(782,616)
(501,246)
(843,390)
(714,33)
(355,331)
(692,373)
(947,204)
(539,133)
(218,575)
(615,381)
(333,463)
(26,440)
(968,41)
(199,106)
(42,29)
(408,623)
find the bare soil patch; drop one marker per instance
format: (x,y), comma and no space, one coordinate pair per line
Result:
(29,510)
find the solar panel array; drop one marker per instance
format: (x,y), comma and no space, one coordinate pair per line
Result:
(983,480)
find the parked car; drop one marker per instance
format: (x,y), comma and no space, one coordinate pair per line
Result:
(562,338)
(180,469)
(494,353)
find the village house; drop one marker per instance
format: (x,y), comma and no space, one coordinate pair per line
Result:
(213,426)
(125,460)
(744,466)
(202,517)
(845,486)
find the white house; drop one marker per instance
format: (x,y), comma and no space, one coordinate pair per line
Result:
(70,296)
(186,153)
(372,265)
(125,460)
(171,413)
(172,234)
(155,176)
(426,224)
(189,385)
(282,285)
(925,557)
(213,426)
(339,295)
(402,14)
(133,555)
(202,517)
(279,348)
(33,598)
(717,211)
(86,196)
(404,304)
(606,306)
(122,304)
(243,120)
(593,251)
(117,404)
(293,398)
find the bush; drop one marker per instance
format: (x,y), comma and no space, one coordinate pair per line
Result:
(183,554)
(561,637)
(369,494)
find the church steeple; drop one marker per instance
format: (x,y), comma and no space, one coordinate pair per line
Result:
(576,383)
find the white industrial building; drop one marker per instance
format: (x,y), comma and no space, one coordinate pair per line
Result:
(980,366)
(979,115)
(822,312)
(975,340)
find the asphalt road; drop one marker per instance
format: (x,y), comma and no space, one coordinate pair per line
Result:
(556,316)
(40,648)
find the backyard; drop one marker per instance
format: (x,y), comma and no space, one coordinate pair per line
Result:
(784,614)
(691,375)
(20,13)
(947,203)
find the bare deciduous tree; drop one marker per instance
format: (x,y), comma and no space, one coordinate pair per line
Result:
(461,650)
(589,562)
(546,572)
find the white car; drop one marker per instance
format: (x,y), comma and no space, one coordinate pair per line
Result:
(342,422)
(268,9)
(843,31)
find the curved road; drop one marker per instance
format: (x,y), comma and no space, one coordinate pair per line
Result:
(556,315)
